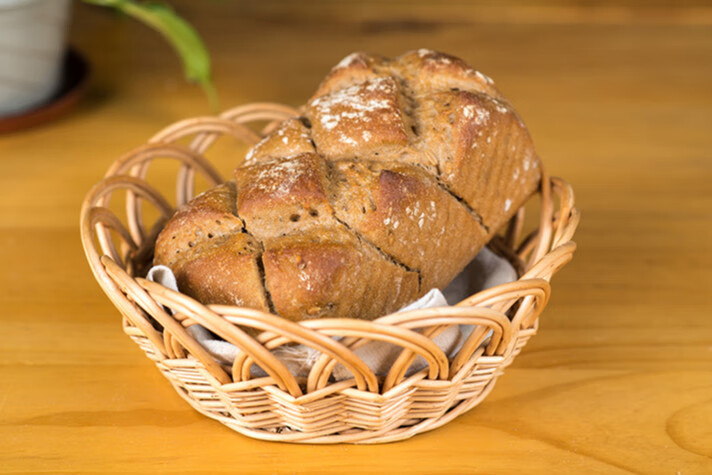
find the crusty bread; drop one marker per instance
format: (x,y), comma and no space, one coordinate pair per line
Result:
(398,174)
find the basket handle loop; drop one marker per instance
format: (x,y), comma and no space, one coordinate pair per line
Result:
(566,210)
(546,267)
(100,196)
(434,321)
(277,331)
(543,240)
(365,330)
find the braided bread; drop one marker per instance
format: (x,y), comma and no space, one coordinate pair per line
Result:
(396,175)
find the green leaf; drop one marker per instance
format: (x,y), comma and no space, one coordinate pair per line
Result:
(179,33)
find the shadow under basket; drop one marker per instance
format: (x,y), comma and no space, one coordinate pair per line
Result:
(316,409)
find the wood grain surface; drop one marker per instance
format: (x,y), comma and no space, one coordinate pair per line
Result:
(618,97)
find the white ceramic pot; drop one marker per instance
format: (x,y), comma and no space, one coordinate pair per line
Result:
(32,48)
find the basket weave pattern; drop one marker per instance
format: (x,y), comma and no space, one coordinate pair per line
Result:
(363,409)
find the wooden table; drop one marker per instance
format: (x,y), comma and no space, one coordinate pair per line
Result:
(618,97)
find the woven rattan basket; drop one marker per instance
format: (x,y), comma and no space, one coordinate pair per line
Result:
(316,409)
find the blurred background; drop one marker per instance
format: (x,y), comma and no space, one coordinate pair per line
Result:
(618,98)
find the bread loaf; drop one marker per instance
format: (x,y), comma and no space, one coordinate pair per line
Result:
(397,174)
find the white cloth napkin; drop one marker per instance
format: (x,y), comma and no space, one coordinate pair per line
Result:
(486,270)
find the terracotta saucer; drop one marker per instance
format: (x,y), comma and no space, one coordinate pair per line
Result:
(72,87)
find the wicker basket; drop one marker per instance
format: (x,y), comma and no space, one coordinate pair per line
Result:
(316,409)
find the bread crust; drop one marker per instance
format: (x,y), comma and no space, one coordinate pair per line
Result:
(398,174)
